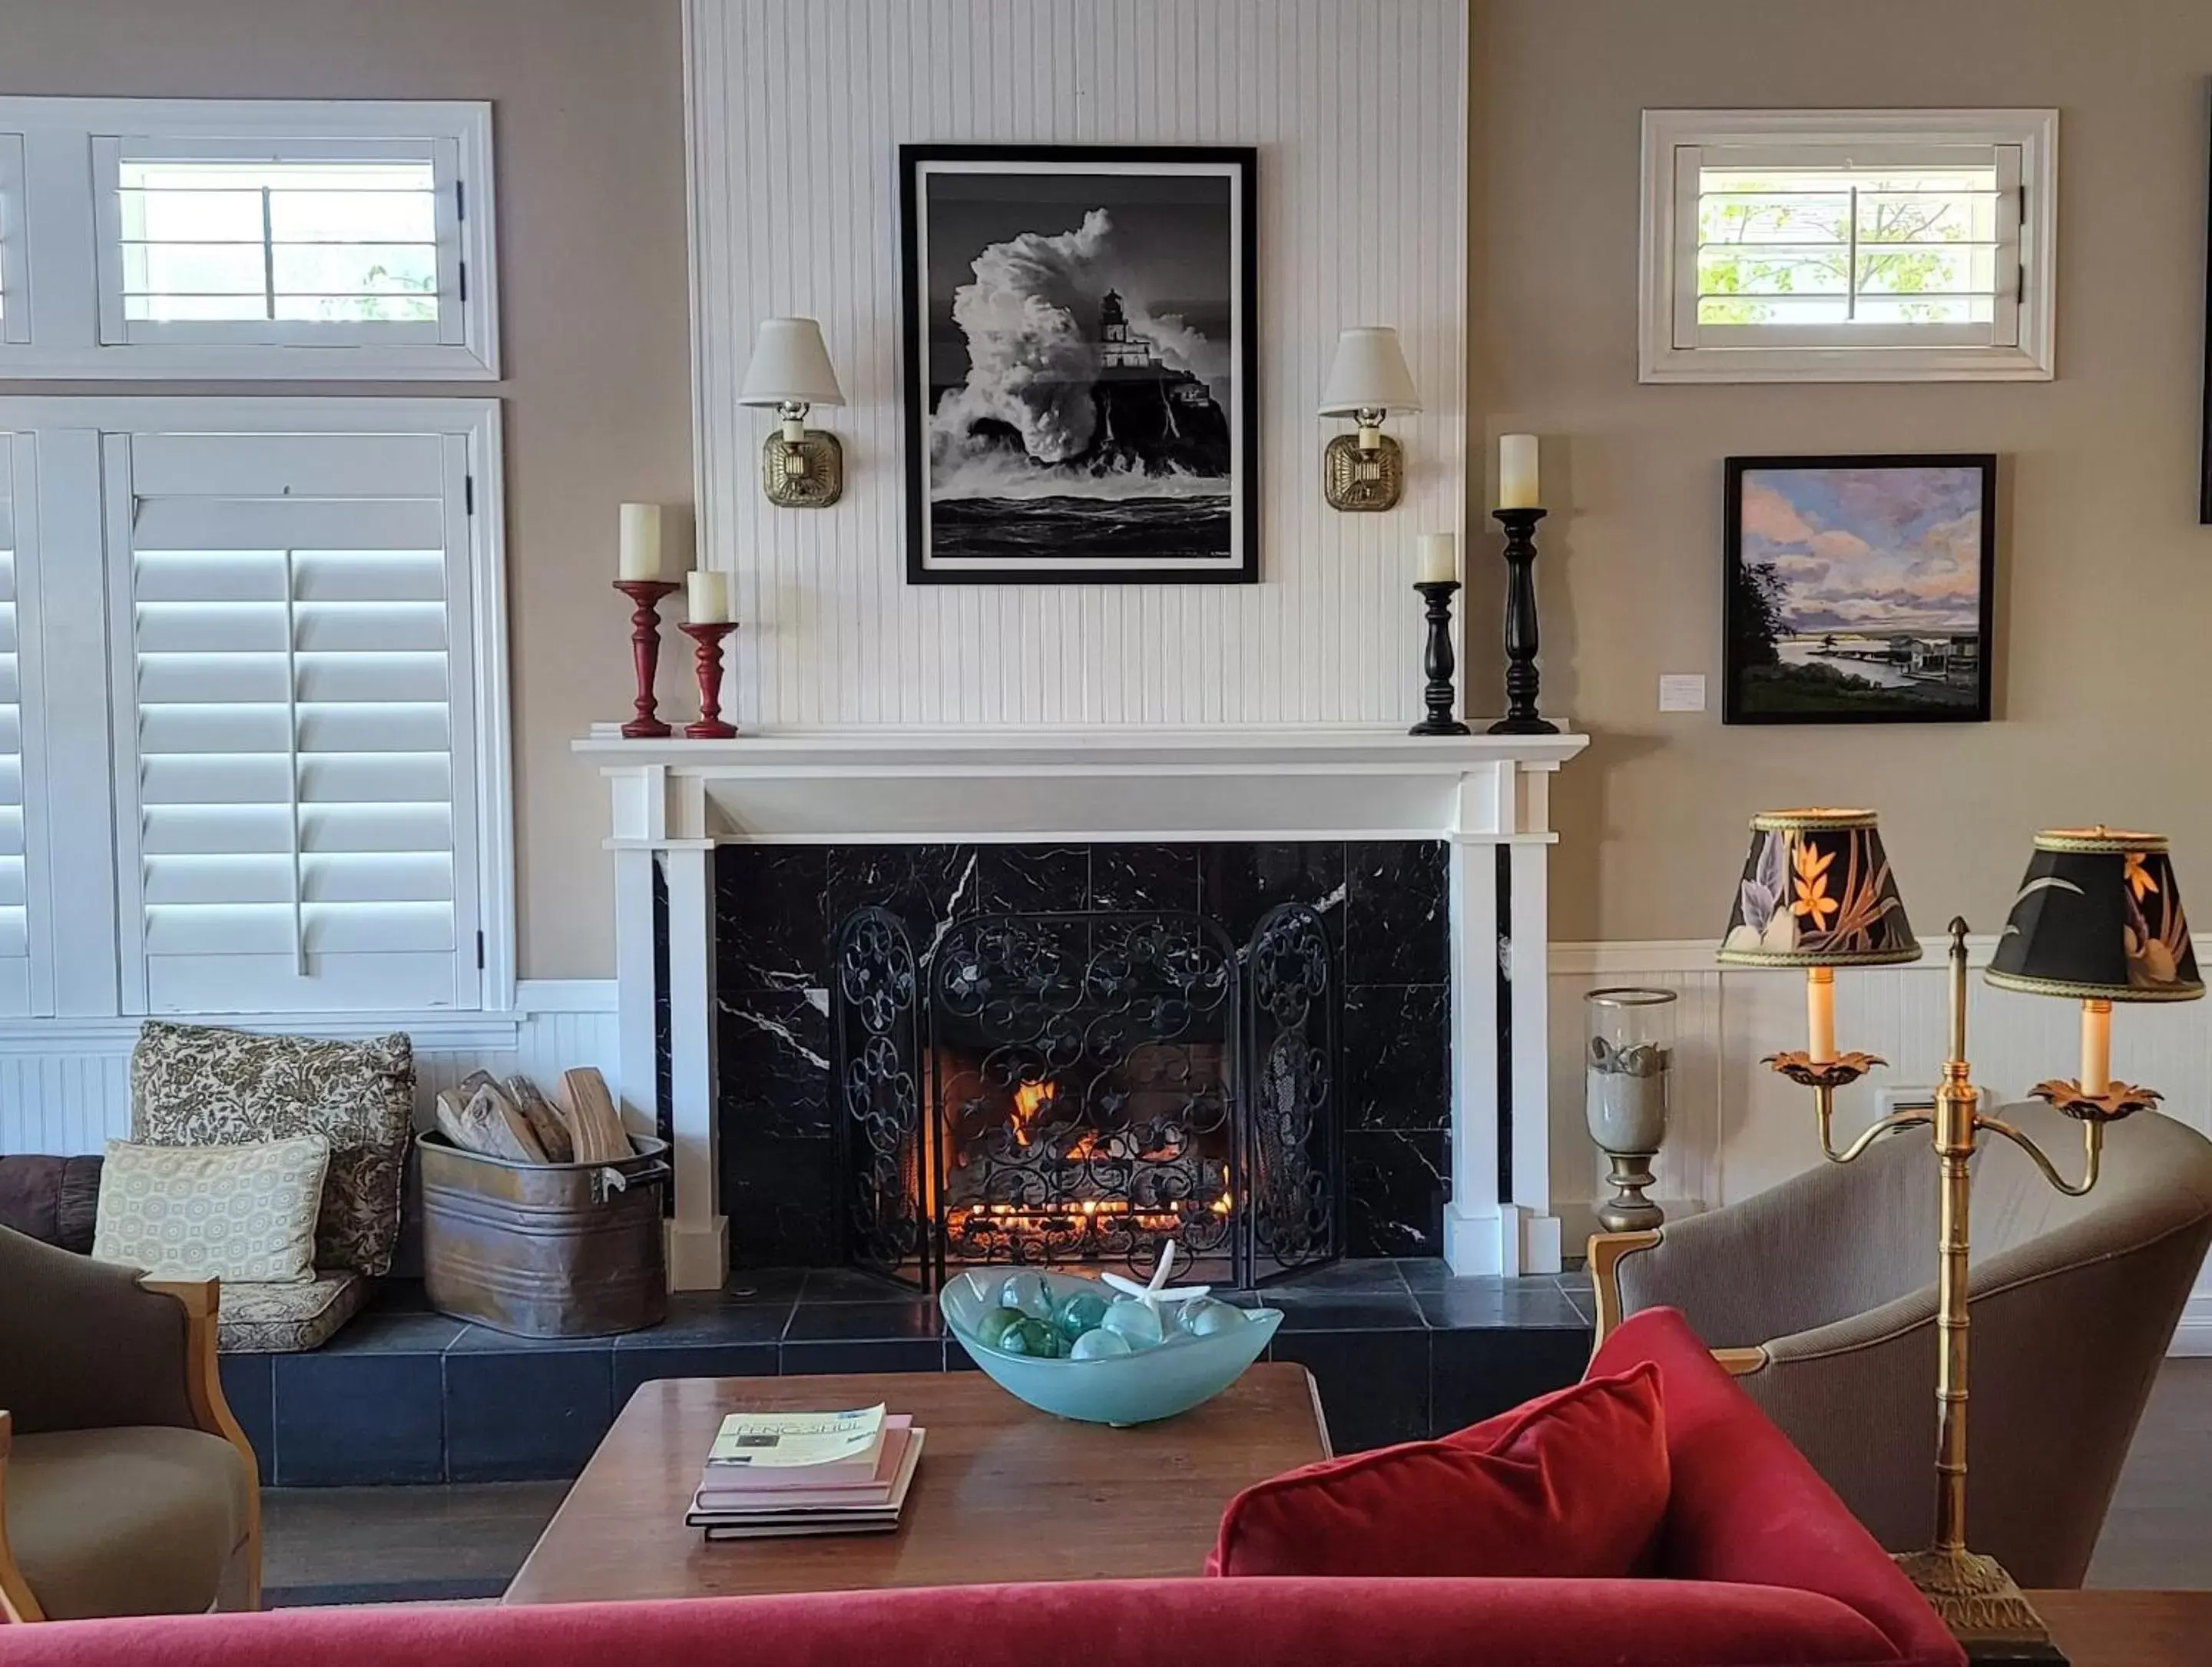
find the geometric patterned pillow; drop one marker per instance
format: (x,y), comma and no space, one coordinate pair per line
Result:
(242,1212)
(197,1085)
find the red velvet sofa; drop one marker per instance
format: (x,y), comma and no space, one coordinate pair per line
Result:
(1760,1565)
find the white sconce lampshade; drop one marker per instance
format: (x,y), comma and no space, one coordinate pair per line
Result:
(1370,374)
(790,367)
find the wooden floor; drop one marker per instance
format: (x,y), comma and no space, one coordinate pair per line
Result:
(337,1545)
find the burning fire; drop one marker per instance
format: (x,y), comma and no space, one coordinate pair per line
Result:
(1031,1100)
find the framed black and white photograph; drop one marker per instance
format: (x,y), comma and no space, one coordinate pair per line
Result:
(1080,348)
(1860,589)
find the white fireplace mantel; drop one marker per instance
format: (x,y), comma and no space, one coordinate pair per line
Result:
(674,800)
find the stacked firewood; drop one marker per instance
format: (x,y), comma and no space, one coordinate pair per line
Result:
(513,1121)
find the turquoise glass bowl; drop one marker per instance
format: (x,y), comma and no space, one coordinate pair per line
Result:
(1121,1389)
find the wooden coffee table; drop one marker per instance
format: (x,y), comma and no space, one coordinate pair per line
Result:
(1004,1492)
(2119,1628)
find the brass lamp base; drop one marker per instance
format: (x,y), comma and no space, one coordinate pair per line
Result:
(1984,1610)
(806,473)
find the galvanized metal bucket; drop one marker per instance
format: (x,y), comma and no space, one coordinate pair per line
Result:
(544,1250)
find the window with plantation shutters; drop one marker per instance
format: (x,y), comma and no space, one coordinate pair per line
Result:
(295,689)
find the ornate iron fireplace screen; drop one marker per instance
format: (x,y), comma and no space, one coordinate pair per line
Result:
(1053,1088)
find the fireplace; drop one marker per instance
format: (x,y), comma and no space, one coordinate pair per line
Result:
(1041,1088)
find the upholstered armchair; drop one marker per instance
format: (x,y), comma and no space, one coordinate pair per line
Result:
(126,1486)
(1819,1294)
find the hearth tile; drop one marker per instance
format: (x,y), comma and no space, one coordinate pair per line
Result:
(1137,877)
(1396,1184)
(957,1357)
(701,1318)
(781,1198)
(358,1419)
(771,928)
(634,1366)
(1374,1385)
(1032,879)
(866,1321)
(396,1332)
(1397,927)
(1490,1304)
(773,1065)
(925,886)
(525,1411)
(1422,1273)
(854,1285)
(1479,1374)
(248,1387)
(763,1284)
(877,1354)
(1239,883)
(1353,1276)
(1396,1056)
(1374,1311)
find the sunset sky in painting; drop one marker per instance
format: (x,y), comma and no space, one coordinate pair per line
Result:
(1879,550)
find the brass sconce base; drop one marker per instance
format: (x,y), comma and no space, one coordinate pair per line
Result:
(818,480)
(1356,479)
(1984,1610)
(1841,1072)
(2122,1099)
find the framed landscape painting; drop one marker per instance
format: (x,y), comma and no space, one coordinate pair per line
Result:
(1859,589)
(1079,352)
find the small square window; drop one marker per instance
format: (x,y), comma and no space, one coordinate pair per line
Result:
(1838,245)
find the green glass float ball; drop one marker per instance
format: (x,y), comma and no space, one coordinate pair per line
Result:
(1080,1313)
(1138,1323)
(1028,1337)
(1028,1293)
(1098,1345)
(992,1323)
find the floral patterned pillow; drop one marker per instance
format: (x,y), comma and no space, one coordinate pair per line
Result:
(196,1084)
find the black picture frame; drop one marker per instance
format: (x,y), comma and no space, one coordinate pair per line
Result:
(1753,690)
(1240,562)
(2204,426)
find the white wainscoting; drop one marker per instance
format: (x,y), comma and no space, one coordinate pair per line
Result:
(797,115)
(1739,1128)
(74,1094)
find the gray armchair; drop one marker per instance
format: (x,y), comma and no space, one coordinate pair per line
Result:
(1819,1295)
(126,1486)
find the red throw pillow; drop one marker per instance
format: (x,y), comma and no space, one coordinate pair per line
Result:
(1573,1484)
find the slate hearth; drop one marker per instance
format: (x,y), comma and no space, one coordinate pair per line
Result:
(1400,1349)
(1384,904)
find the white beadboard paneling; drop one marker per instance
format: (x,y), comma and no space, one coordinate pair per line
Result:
(1739,1128)
(797,115)
(77,1096)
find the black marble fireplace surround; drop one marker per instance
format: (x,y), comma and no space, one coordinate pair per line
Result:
(776,907)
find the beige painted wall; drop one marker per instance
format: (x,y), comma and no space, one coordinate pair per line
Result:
(588,128)
(2104,579)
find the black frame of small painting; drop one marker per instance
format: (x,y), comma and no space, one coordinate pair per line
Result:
(1732,710)
(915,371)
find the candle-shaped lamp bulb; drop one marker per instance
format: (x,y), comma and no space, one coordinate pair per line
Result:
(1516,473)
(2096,1047)
(1820,1014)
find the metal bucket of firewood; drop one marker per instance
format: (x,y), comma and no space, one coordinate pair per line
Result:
(539,1243)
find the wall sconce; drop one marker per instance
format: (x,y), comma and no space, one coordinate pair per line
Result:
(1369,380)
(801,468)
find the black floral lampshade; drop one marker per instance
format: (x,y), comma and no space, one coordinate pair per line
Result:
(1817,891)
(2098,918)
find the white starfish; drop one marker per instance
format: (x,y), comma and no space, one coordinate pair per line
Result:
(1153,1295)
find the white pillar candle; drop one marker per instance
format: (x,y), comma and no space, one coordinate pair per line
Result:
(708,594)
(1516,473)
(2096,1047)
(1820,1014)
(1439,558)
(640,543)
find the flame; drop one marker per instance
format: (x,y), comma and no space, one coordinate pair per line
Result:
(1031,1100)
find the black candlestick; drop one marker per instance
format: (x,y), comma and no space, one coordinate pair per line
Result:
(1439,697)
(1521,677)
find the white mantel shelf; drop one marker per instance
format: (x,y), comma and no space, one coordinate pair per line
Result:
(879,784)
(1487,796)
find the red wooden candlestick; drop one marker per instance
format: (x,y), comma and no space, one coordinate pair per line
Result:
(708,637)
(645,651)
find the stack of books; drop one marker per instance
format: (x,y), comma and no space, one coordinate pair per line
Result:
(786,1472)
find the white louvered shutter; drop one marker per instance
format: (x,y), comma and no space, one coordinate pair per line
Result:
(297,795)
(15,900)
